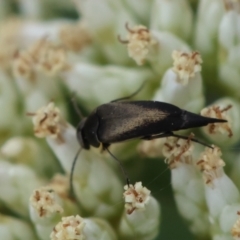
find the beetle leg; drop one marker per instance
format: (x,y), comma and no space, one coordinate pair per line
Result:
(192,139)
(104,146)
(119,163)
(171,134)
(161,135)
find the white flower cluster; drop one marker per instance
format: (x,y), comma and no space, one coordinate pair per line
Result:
(186,52)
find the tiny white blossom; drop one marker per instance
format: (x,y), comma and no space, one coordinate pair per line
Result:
(217,184)
(186,65)
(177,150)
(222,196)
(227,109)
(77,228)
(43,56)
(136,197)
(70,228)
(44,201)
(139,42)
(182,85)
(211,164)
(47,121)
(216,112)
(141,217)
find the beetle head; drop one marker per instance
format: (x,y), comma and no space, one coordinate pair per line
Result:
(80,135)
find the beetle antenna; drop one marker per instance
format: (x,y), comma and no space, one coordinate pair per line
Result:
(121,166)
(76,108)
(72,171)
(132,95)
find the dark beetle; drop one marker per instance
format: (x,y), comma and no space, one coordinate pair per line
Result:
(123,120)
(119,121)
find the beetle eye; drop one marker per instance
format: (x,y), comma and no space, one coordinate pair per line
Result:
(82,141)
(80,135)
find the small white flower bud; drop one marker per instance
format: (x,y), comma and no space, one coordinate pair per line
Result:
(14,228)
(186,65)
(69,228)
(139,43)
(28,151)
(187,184)
(182,85)
(209,16)
(225,108)
(91,82)
(42,56)
(220,191)
(211,164)
(229,42)
(45,202)
(47,121)
(229,71)
(17,184)
(15,147)
(177,150)
(47,205)
(141,217)
(228,217)
(136,197)
(160,57)
(162,17)
(77,228)
(215,112)
(35,70)
(229,29)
